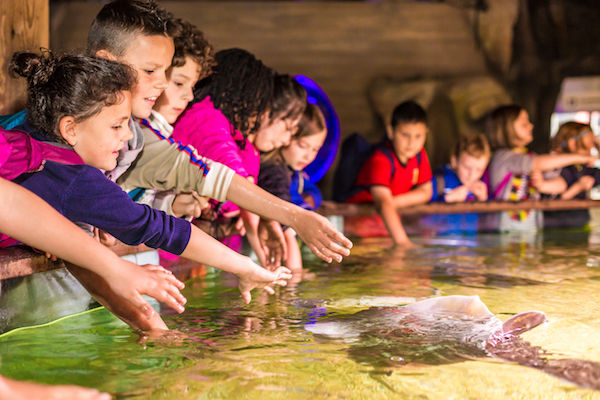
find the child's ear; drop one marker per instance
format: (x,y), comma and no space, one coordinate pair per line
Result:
(389,131)
(572,145)
(453,161)
(68,131)
(106,54)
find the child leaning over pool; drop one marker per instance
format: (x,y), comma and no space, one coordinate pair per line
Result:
(574,138)
(517,174)
(90,102)
(398,173)
(282,173)
(192,172)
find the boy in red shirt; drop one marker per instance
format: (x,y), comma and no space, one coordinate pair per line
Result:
(398,173)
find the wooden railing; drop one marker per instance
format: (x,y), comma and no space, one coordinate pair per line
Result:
(349,210)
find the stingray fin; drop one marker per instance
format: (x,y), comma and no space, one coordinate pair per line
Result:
(523,322)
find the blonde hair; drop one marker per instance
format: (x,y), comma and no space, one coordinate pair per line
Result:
(569,130)
(474,145)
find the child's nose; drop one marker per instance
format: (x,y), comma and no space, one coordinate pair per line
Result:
(188,95)
(162,82)
(128,135)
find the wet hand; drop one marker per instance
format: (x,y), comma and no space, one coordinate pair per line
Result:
(321,237)
(258,277)
(151,280)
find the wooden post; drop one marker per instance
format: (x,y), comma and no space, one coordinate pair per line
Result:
(24,25)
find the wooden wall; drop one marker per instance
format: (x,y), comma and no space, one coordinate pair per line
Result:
(24,26)
(341,45)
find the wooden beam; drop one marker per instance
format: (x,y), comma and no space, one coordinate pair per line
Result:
(24,25)
(347,210)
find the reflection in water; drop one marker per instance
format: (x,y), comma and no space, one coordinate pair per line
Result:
(262,351)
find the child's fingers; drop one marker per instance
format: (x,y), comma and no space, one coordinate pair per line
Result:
(246,296)
(319,254)
(269,289)
(138,301)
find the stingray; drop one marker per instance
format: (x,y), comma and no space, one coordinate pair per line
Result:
(448,329)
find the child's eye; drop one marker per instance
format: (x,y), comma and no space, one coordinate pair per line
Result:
(117,126)
(179,84)
(149,71)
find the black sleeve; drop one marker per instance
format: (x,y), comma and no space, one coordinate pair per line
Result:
(275,179)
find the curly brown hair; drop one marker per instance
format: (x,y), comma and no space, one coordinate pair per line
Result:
(190,42)
(69,85)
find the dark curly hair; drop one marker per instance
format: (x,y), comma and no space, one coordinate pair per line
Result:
(120,20)
(69,85)
(190,42)
(289,98)
(241,87)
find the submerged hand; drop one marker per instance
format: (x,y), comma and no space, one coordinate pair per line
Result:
(321,236)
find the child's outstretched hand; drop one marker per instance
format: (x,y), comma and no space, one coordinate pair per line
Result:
(258,277)
(152,280)
(321,236)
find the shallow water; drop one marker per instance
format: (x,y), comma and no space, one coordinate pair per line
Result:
(262,351)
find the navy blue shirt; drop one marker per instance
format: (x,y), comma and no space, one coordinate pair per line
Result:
(83,194)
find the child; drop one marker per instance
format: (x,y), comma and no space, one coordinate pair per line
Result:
(398,173)
(126,279)
(229,108)
(91,103)
(282,174)
(516,174)
(573,137)
(461,180)
(302,151)
(191,172)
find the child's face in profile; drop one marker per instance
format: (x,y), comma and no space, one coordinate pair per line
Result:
(150,57)
(98,139)
(302,151)
(408,139)
(586,143)
(468,168)
(275,133)
(179,91)
(523,130)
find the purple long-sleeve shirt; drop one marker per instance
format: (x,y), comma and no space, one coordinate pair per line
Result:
(83,194)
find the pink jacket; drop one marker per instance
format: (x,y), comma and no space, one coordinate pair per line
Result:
(208,131)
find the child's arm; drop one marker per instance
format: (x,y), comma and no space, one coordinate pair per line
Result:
(555,185)
(546,162)
(314,230)
(584,184)
(207,250)
(385,204)
(31,220)
(221,183)
(418,195)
